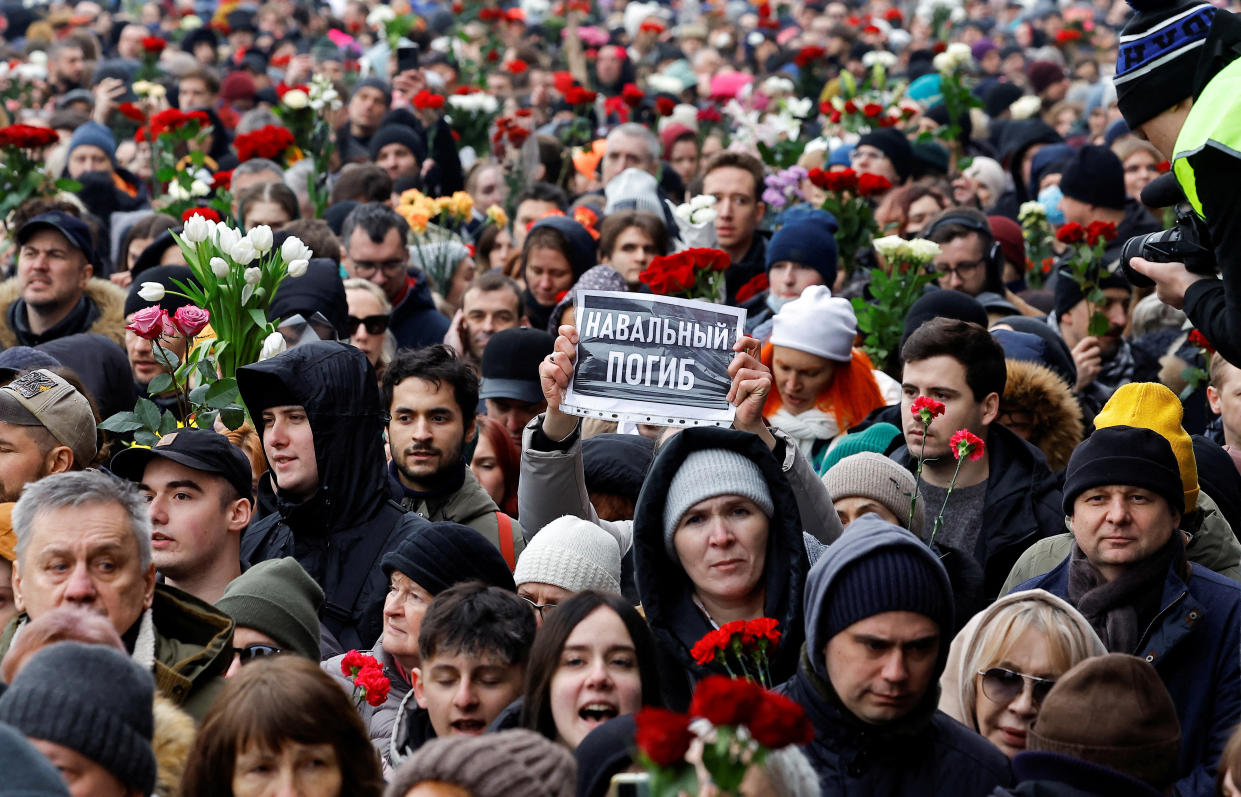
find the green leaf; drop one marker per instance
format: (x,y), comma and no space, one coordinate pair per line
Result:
(165,357)
(246,293)
(206,419)
(144,438)
(206,370)
(222,393)
(199,394)
(167,423)
(159,384)
(121,423)
(233,416)
(258,316)
(1098,324)
(147,413)
(68,184)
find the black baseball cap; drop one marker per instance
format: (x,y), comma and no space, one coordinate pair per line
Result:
(69,226)
(197,449)
(511,364)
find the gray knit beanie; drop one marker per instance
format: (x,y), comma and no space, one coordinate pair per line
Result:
(573,554)
(92,699)
(280,599)
(706,474)
(515,763)
(874,476)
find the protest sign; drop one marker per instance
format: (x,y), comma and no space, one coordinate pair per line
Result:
(653,359)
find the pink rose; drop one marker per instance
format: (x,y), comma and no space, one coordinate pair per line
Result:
(150,323)
(190,320)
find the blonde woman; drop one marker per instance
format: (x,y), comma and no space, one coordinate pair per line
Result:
(1005,661)
(369,313)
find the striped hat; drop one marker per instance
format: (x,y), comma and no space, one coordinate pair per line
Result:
(1158,57)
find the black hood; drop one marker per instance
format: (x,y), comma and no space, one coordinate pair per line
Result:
(337,386)
(663,585)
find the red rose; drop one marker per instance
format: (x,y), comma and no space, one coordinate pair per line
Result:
(131,111)
(27,137)
(489,14)
(269,141)
(817,178)
(893,15)
(563,81)
(664,106)
(681,277)
(871,184)
(632,95)
(778,722)
(1163,167)
(872,109)
(148,323)
(835,117)
(966,444)
(752,288)
(1196,338)
(1067,35)
(663,735)
(808,55)
(842,180)
(206,213)
(458,7)
(523,113)
(724,700)
(190,320)
(710,115)
(518,135)
(222,180)
(492,56)
(426,100)
(1071,233)
(708,259)
(850,106)
(516,66)
(153,45)
(576,95)
(1100,231)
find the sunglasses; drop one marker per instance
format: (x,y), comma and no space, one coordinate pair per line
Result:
(251,652)
(375,324)
(1004,686)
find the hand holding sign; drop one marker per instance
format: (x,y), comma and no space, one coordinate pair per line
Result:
(555,373)
(750,386)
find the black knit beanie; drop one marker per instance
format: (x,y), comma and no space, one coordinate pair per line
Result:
(888,580)
(439,555)
(943,304)
(893,144)
(1068,293)
(1095,176)
(393,133)
(1125,455)
(92,699)
(1158,56)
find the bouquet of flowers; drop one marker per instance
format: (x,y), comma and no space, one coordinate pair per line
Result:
(860,108)
(367,676)
(22,174)
(782,187)
(696,221)
(435,226)
(732,722)
(1084,264)
(689,274)
(1039,238)
(954,65)
(304,111)
(273,142)
(746,644)
(395,24)
(894,290)
(471,113)
(235,277)
(848,200)
(179,175)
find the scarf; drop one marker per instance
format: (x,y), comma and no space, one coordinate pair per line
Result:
(807,428)
(1118,609)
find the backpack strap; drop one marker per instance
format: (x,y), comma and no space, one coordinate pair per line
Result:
(504,525)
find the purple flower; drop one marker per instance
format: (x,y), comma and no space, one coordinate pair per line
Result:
(774,198)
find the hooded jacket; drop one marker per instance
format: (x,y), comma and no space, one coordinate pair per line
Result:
(103,312)
(342,531)
(666,590)
(1057,424)
(1015,141)
(924,752)
(1193,644)
(1022,505)
(469,504)
(958,695)
(415,322)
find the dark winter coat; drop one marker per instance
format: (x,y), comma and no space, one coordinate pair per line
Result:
(1194,644)
(415,322)
(667,592)
(102,311)
(1057,424)
(1043,774)
(923,753)
(339,534)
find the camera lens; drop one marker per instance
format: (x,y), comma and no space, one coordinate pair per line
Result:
(1135,247)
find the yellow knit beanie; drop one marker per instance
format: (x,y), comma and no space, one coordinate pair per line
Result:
(1153,406)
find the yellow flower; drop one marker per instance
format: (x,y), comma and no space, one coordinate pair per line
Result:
(498,216)
(411,197)
(418,222)
(462,204)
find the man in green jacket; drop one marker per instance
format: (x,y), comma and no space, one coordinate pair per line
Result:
(84,540)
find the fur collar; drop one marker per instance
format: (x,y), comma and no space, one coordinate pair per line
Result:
(109,298)
(1057,427)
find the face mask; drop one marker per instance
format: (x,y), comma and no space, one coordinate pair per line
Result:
(775,303)
(1049,198)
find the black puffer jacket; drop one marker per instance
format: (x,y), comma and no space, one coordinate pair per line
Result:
(339,534)
(667,592)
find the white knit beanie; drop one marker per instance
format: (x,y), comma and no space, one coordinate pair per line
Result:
(573,554)
(817,323)
(706,474)
(633,189)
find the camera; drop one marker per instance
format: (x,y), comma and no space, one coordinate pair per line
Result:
(1185,242)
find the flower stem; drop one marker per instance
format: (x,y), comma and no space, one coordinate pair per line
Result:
(913,500)
(939,520)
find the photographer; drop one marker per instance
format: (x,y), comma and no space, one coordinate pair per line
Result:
(1183,97)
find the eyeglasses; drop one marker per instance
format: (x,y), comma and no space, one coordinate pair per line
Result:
(541,609)
(375,324)
(1003,686)
(251,652)
(367,268)
(958,271)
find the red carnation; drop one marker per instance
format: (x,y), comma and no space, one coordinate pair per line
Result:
(724,700)
(1071,233)
(893,15)
(355,661)
(426,100)
(222,180)
(269,141)
(778,722)
(563,81)
(153,45)
(633,95)
(752,288)
(1100,231)
(966,444)
(576,95)
(374,684)
(665,105)
(663,735)
(761,630)
(871,184)
(705,649)
(927,409)
(516,66)
(1068,35)
(709,115)
(1196,338)
(131,111)
(808,55)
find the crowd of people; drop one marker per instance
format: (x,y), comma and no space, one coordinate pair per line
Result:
(994,533)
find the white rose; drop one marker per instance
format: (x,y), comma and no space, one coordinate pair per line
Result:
(243,252)
(1032,208)
(923,251)
(298,268)
(219,267)
(704,216)
(261,239)
(178,192)
(666,84)
(196,230)
(960,52)
(890,245)
(799,107)
(38,58)
(191,22)
(944,64)
(1025,107)
(702,201)
(151,292)
(294,249)
(273,344)
(295,99)
(379,15)
(199,188)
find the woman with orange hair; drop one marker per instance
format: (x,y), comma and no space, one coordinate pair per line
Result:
(822,385)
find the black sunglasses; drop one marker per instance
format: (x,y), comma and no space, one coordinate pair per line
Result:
(1004,686)
(375,324)
(251,652)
